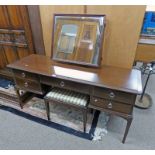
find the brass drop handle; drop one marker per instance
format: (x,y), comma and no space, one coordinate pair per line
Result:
(26,84)
(109,105)
(111,95)
(62,84)
(23,75)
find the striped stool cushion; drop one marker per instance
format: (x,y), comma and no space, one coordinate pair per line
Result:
(67,96)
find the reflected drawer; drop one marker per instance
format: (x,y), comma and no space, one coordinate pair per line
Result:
(111,105)
(25,75)
(29,85)
(114,95)
(65,84)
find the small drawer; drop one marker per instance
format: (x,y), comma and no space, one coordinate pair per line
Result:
(25,75)
(114,95)
(111,105)
(29,85)
(82,88)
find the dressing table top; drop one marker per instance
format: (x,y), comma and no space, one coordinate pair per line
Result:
(127,80)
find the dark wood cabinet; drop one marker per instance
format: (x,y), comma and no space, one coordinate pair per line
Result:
(18,37)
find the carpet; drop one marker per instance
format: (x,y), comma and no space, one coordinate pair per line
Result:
(4,83)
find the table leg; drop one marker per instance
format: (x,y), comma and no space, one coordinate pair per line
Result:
(129,121)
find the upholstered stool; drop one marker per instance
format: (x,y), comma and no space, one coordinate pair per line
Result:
(68,98)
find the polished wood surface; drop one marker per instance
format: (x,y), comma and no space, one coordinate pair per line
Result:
(122,30)
(110,77)
(110,89)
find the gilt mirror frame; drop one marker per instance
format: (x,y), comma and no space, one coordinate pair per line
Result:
(98,44)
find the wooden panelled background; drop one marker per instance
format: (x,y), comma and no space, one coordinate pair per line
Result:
(145,53)
(122,30)
(15,34)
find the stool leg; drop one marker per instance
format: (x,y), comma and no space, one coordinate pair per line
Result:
(47,109)
(84,120)
(129,121)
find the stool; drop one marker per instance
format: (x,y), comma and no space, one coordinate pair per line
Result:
(68,98)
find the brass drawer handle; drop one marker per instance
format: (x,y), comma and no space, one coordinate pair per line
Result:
(111,95)
(23,75)
(109,105)
(62,84)
(26,84)
(96,100)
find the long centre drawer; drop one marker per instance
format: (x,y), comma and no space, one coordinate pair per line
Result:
(75,86)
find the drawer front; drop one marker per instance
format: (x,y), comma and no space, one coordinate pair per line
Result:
(65,84)
(25,75)
(29,85)
(114,95)
(111,105)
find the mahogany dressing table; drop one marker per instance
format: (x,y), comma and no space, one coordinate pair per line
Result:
(78,39)
(111,89)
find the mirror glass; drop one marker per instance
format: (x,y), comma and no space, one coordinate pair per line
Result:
(66,40)
(78,39)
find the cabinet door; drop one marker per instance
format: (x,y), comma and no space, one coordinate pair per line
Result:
(15,34)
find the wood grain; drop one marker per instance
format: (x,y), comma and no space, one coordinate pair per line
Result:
(26,25)
(3,58)
(15,17)
(11,54)
(15,34)
(35,22)
(22,52)
(145,53)
(4,22)
(122,33)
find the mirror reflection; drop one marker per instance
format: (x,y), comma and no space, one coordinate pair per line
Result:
(67,38)
(78,39)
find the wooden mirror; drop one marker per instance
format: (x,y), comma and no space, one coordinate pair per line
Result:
(78,38)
